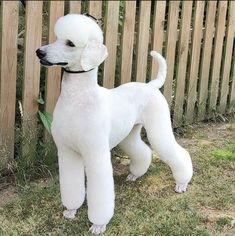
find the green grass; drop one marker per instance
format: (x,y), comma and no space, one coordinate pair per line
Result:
(148,206)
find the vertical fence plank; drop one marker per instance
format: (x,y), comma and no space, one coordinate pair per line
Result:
(158,33)
(171,44)
(111,33)
(206,59)
(195,61)
(33,34)
(127,41)
(143,40)
(230,33)
(185,30)
(219,37)
(95,9)
(75,7)
(53,74)
(8,62)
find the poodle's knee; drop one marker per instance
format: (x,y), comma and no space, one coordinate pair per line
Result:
(139,153)
(180,163)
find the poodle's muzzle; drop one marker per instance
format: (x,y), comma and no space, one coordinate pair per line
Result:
(42,56)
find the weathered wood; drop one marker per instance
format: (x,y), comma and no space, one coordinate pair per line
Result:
(8,64)
(182,62)
(170,48)
(143,41)
(95,9)
(53,78)
(217,57)
(158,33)
(127,41)
(75,7)
(206,59)
(33,34)
(195,61)
(111,32)
(226,66)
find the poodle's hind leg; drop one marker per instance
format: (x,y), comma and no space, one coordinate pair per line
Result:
(160,135)
(72,181)
(139,153)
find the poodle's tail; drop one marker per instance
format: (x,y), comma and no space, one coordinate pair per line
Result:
(162,67)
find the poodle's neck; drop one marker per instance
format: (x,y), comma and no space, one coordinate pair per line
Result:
(80,81)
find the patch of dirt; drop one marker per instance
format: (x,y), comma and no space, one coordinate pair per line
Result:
(213,215)
(206,134)
(7,194)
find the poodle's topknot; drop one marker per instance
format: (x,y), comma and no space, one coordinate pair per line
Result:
(79,29)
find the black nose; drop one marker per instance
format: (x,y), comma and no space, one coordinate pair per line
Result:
(40,53)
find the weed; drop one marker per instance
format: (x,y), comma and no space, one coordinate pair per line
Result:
(224,154)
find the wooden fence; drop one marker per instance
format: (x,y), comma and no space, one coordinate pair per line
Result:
(196,37)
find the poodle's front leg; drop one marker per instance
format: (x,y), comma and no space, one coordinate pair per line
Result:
(72,181)
(100,190)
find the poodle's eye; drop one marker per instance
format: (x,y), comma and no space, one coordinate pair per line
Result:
(70,44)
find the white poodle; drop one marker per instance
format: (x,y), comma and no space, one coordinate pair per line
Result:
(90,120)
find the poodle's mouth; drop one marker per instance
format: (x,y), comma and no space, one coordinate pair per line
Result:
(47,63)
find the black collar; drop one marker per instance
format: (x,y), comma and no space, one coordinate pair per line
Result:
(77,72)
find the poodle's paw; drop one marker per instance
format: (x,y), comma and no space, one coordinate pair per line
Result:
(131,177)
(69,214)
(97,229)
(180,188)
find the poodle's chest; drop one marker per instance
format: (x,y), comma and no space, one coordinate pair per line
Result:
(74,121)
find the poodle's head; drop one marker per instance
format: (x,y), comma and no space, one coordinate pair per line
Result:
(79,44)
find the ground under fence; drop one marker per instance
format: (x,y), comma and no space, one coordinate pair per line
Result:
(196,37)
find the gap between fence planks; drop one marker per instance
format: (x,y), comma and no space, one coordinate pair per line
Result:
(230,33)
(185,30)
(143,41)
(53,78)
(170,48)
(206,59)
(8,79)
(111,32)
(217,57)
(158,33)
(127,41)
(195,61)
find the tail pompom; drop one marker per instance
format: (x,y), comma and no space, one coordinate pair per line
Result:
(162,68)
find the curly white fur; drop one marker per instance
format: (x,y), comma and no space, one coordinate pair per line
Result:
(90,120)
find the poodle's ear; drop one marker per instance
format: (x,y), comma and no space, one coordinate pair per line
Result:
(93,55)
